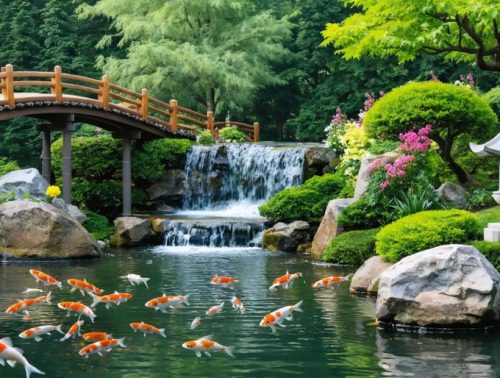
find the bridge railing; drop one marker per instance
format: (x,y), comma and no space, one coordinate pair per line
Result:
(57,86)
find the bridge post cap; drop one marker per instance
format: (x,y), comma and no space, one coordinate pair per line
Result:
(173,102)
(57,68)
(144,90)
(9,67)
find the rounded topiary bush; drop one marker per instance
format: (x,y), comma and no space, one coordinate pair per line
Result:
(426,229)
(352,247)
(493,99)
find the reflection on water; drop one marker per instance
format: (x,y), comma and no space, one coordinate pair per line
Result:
(331,338)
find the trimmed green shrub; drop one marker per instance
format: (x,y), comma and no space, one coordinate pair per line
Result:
(232,134)
(486,216)
(362,215)
(491,250)
(493,99)
(380,147)
(352,247)
(427,229)
(205,138)
(479,199)
(7,166)
(305,202)
(98,226)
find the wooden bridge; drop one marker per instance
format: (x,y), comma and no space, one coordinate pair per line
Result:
(64,99)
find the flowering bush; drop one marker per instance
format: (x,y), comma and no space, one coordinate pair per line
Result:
(231,134)
(53,191)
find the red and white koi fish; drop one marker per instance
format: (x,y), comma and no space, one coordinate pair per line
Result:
(238,305)
(224,281)
(285,281)
(44,278)
(196,322)
(15,355)
(77,307)
(279,316)
(214,310)
(110,299)
(37,332)
(23,305)
(206,345)
(100,347)
(83,286)
(168,301)
(327,281)
(136,279)
(73,330)
(96,336)
(147,328)
(30,290)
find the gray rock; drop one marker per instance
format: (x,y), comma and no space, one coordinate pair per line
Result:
(453,194)
(24,182)
(71,210)
(318,160)
(286,237)
(328,228)
(38,229)
(170,187)
(363,179)
(450,285)
(131,231)
(366,278)
(60,204)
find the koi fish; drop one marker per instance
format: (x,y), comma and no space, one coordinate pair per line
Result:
(23,305)
(214,310)
(15,355)
(44,278)
(36,332)
(101,346)
(223,281)
(206,345)
(196,322)
(73,331)
(279,316)
(110,299)
(147,328)
(285,281)
(136,279)
(174,302)
(83,286)
(32,291)
(96,336)
(78,307)
(238,305)
(327,281)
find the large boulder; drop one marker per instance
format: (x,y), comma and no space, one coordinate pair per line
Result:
(328,228)
(366,278)
(286,237)
(453,194)
(71,210)
(318,160)
(363,179)
(131,231)
(169,188)
(38,229)
(447,286)
(24,182)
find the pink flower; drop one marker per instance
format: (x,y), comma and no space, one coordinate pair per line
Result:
(375,165)
(339,117)
(384,185)
(434,77)
(416,141)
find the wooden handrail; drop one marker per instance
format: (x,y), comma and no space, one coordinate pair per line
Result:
(107,95)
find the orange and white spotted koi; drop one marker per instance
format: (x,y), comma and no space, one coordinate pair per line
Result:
(224,281)
(327,281)
(23,305)
(111,299)
(214,310)
(83,286)
(196,322)
(96,336)
(44,278)
(77,307)
(238,305)
(15,355)
(206,345)
(147,328)
(73,331)
(37,332)
(285,281)
(168,301)
(99,347)
(279,316)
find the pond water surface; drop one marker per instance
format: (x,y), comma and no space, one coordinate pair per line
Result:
(333,337)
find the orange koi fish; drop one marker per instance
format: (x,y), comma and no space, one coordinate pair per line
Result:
(110,299)
(223,281)
(96,336)
(73,331)
(83,286)
(196,322)
(238,305)
(15,355)
(45,278)
(77,307)
(167,301)
(147,328)
(206,345)
(279,316)
(23,305)
(327,281)
(285,281)
(37,332)
(214,310)
(101,346)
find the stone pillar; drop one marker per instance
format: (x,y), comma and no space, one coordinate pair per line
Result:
(126,178)
(69,127)
(46,155)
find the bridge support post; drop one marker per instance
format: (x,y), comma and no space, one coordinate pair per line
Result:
(69,127)
(46,155)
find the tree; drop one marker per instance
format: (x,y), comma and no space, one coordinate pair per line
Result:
(217,52)
(458,30)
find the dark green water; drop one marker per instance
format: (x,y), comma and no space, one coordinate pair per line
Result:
(331,338)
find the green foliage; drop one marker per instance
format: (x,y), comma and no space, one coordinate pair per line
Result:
(493,99)
(486,216)
(6,197)
(491,250)
(306,202)
(414,201)
(379,147)
(205,138)
(362,215)
(479,199)
(232,134)
(7,166)
(424,230)
(352,247)
(98,226)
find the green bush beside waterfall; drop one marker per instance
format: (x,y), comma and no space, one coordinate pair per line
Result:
(351,247)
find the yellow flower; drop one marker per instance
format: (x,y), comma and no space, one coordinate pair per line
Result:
(53,191)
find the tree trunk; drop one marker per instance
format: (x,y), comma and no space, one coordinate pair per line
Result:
(210,100)
(445,153)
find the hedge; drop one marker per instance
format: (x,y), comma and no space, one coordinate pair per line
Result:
(351,247)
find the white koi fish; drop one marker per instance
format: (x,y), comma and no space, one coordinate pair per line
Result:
(37,332)
(279,316)
(238,305)
(15,355)
(214,310)
(196,322)
(206,345)
(30,290)
(136,279)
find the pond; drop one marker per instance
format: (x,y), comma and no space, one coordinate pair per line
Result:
(333,337)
